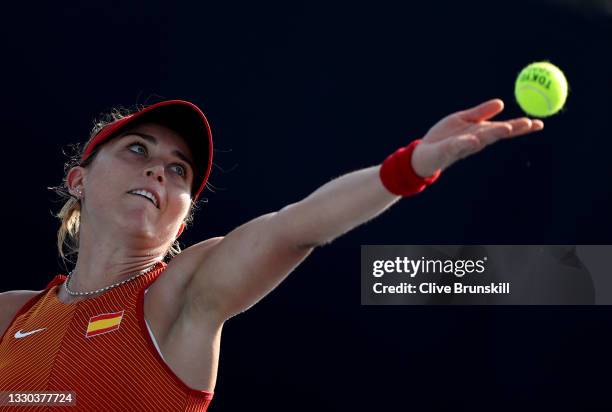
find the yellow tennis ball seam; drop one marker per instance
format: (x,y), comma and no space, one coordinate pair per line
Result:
(544,95)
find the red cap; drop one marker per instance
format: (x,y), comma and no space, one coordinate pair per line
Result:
(179,115)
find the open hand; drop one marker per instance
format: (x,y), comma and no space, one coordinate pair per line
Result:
(466,132)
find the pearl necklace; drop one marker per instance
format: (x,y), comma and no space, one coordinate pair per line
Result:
(140,273)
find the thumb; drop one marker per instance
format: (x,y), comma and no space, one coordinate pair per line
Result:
(483,111)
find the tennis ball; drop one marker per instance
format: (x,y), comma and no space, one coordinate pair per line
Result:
(541,89)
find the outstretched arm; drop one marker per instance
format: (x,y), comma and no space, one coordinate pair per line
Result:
(244,266)
(353,199)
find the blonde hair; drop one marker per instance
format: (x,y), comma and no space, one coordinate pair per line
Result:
(70,213)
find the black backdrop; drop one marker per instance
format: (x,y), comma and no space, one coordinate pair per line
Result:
(299,93)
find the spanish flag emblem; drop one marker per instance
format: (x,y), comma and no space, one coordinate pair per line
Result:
(106,322)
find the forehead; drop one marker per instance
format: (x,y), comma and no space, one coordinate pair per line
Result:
(162,134)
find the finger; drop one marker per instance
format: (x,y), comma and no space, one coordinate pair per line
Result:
(520,125)
(535,126)
(495,131)
(492,133)
(483,111)
(524,125)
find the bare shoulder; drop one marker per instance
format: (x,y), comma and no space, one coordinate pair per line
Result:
(10,303)
(166,296)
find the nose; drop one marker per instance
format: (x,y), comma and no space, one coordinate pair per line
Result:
(157,172)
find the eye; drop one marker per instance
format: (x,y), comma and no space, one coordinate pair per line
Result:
(182,171)
(144,149)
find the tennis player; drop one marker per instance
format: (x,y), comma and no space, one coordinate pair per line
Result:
(137,324)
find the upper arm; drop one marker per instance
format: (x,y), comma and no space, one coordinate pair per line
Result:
(243,267)
(10,303)
(166,296)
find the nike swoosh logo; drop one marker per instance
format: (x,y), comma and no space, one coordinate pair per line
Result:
(19,334)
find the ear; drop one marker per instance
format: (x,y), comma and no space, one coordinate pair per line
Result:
(75,181)
(180,230)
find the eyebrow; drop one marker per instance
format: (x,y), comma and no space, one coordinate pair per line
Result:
(153,140)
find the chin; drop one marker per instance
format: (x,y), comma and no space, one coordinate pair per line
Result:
(136,221)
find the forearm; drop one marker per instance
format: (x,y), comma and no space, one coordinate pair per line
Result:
(336,208)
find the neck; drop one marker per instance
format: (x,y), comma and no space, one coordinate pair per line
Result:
(105,260)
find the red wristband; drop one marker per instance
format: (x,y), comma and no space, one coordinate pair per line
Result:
(398,176)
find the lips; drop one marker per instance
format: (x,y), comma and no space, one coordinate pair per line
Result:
(144,197)
(148,194)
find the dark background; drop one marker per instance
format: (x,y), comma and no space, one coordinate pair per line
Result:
(299,93)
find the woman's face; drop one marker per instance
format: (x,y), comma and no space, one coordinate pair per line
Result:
(149,157)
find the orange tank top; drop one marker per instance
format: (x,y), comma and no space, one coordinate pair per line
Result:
(99,348)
